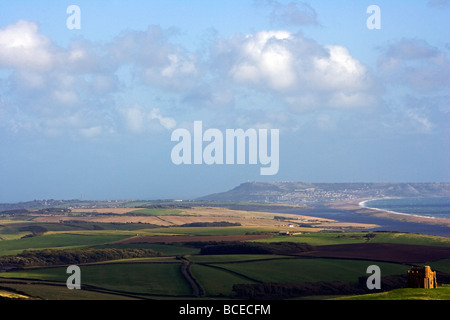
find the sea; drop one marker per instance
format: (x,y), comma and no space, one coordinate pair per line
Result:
(425,207)
(428,207)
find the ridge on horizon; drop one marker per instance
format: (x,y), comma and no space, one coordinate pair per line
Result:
(291,192)
(299,192)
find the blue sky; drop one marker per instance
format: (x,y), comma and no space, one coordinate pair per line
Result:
(88,113)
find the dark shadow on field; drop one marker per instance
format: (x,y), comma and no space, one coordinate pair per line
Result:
(386,252)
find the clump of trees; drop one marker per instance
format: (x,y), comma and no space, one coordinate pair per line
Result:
(49,257)
(13,212)
(35,230)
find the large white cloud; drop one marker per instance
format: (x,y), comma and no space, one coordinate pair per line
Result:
(264,58)
(22,46)
(305,74)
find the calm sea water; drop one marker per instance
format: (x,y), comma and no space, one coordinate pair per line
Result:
(431,207)
(428,207)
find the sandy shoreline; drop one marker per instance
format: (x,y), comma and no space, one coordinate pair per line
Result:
(357,206)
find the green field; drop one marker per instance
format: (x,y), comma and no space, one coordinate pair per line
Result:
(213,231)
(329,238)
(60,240)
(217,282)
(439,293)
(309,270)
(442,265)
(133,278)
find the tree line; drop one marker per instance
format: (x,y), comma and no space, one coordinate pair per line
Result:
(50,257)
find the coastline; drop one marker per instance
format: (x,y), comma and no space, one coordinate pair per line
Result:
(357,206)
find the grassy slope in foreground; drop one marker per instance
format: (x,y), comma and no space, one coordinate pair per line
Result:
(439,293)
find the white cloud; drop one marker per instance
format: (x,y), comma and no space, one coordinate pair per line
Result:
(178,66)
(416,64)
(166,122)
(29,80)
(291,14)
(138,119)
(50,86)
(134,118)
(301,72)
(65,97)
(21,46)
(408,120)
(420,120)
(265,59)
(155,61)
(338,70)
(91,132)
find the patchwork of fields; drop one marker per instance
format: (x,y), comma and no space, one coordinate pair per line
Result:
(231,260)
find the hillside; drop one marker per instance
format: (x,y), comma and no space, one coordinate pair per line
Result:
(301,193)
(440,293)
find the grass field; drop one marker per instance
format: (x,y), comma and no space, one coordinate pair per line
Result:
(217,282)
(60,240)
(136,278)
(439,293)
(441,265)
(329,238)
(309,270)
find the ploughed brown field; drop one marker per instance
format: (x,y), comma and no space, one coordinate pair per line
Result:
(389,252)
(187,238)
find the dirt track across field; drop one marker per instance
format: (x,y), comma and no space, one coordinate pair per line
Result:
(187,238)
(399,253)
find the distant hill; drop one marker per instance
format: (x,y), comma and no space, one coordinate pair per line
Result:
(301,192)
(52,205)
(298,193)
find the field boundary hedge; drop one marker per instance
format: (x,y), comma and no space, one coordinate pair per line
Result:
(51,257)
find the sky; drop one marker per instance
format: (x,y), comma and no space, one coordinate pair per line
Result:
(90,98)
